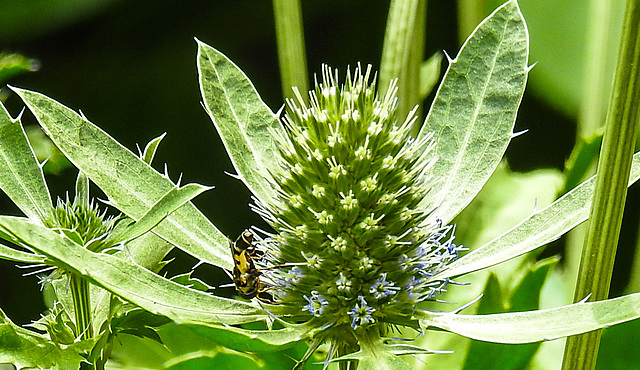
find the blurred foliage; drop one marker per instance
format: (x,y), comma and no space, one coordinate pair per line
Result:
(12,64)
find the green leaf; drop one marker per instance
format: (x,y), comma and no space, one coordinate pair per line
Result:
(582,159)
(140,323)
(169,203)
(540,228)
(473,114)
(246,125)
(618,348)
(26,349)
(131,184)
(11,254)
(540,325)
(526,296)
(130,281)
(374,354)
(21,176)
(150,149)
(254,340)
(191,282)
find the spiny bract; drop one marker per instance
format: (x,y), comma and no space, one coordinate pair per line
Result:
(358,249)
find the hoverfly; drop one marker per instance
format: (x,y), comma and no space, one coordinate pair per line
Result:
(246,276)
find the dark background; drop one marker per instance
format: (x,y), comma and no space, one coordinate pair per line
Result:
(130,67)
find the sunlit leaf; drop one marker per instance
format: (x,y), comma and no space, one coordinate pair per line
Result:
(540,325)
(540,228)
(21,176)
(131,184)
(244,122)
(474,111)
(130,281)
(27,349)
(170,202)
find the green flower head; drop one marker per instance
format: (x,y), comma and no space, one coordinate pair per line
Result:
(352,247)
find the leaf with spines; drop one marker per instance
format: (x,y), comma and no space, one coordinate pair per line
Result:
(27,349)
(130,183)
(541,228)
(540,325)
(245,124)
(21,176)
(474,111)
(130,281)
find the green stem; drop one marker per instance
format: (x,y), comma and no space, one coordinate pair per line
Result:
(291,50)
(470,14)
(601,241)
(403,52)
(82,306)
(596,85)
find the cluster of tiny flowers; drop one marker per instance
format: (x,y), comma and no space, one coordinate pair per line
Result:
(352,244)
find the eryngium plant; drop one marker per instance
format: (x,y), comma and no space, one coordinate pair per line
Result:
(359,210)
(352,249)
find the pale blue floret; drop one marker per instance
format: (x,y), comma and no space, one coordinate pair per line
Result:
(361,312)
(383,288)
(316,304)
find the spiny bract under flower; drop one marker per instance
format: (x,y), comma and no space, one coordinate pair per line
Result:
(357,249)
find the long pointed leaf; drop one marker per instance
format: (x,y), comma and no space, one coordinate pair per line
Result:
(131,184)
(21,176)
(254,340)
(244,122)
(540,228)
(15,255)
(130,281)
(540,325)
(473,114)
(173,200)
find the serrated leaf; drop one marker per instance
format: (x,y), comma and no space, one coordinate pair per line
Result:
(131,184)
(21,176)
(540,325)
(473,114)
(140,323)
(540,228)
(26,349)
(130,281)
(245,124)
(189,281)
(169,203)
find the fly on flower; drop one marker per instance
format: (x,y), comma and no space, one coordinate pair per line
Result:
(246,276)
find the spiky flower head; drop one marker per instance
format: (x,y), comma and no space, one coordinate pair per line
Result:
(354,247)
(83,222)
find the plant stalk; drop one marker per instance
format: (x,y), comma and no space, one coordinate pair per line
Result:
(82,306)
(403,52)
(291,50)
(619,138)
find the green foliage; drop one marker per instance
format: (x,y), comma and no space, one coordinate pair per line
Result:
(474,111)
(137,318)
(245,124)
(25,349)
(496,299)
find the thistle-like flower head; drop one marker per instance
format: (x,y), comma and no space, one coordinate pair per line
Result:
(83,223)
(354,247)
